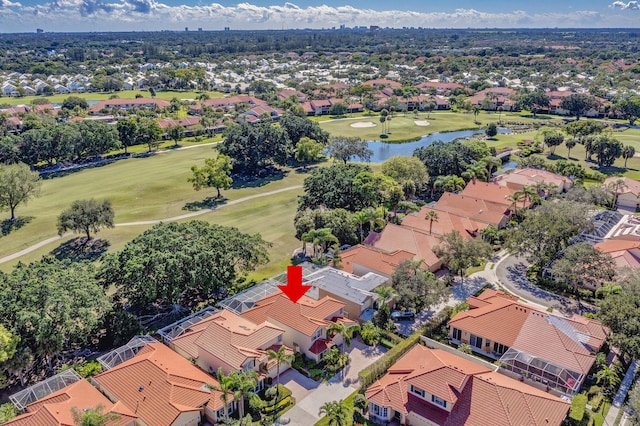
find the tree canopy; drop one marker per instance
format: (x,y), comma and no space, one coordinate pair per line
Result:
(86,216)
(18,184)
(216,173)
(621,313)
(251,148)
(172,262)
(300,127)
(406,169)
(447,158)
(578,104)
(416,287)
(342,148)
(581,265)
(459,254)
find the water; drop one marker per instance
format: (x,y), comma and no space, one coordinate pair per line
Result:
(382,151)
(510,165)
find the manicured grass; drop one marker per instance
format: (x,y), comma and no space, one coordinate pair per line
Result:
(125,94)
(349,400)
(154,188)
(402,127)
(170,145)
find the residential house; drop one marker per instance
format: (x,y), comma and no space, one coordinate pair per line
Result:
(258,111)
(493,193)
(627,193)
(305,323)
(185,122)
(229,103)
(382,82)
(162,388)
(356,292)
(9,89)
(440,87)
(230,342)
(493,98)
(445,223)
(534,345)
(128,104)
(519,178)
(396,237)
(436,387)
(361,259)
(625,251)
(287,93)
(56,408)
(479,210)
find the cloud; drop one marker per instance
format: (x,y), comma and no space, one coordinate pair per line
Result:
(143,15)
(632,5)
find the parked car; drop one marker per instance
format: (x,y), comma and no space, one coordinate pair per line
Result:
(402,315)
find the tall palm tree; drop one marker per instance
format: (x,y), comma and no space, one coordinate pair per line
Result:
(528,192)
(431,216)
(627,152)
(225,387)
(491,162)
(338,413)
(243,384)
(281,356)
(387,293)
(615,187)
(570,144)
(475,170)
(319,237)
(92,416)
(361,217)
(449,183)
(515,198)
(345,330)
(375,217)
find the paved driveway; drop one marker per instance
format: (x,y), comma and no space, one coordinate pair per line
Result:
(305,412)
(299,384)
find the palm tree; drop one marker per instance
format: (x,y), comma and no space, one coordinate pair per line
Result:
(627,152)
(92,416)
(570,143)
(431,216)
(319,237)
(387,294)
(243,384)
(614,187)
(281,356)
(474,171)
(225,387)
(514,198)
(361,217)
(608,377)
(491,162)
(338,413)
(375,217)
(528,192)
(345,330)
(449,183)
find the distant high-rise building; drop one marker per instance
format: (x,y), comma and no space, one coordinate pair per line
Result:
(39,30)
(342,26)
(227,29)
(186,29)
(200,29)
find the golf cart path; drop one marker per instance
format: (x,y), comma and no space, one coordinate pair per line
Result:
(152,222)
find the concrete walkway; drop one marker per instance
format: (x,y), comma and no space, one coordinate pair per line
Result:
(306,410)
(621,395)
(152,222)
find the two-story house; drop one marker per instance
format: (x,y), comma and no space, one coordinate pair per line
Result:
(305,323)
(434,387)
(232,343)
(550,351)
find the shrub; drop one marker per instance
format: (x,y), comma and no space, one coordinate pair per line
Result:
(280,405)
(369,333)
(88,369)
(315,373)
(464,348)
(578,405)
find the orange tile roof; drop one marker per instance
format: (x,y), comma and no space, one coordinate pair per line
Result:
(530,176)
(305,316)
(631,186)
(473,208)
(229,337)
(395,237)
(479,396)
(446,223)
(372,258)
(158,385)
(568,342)
(488,191)
(56,409)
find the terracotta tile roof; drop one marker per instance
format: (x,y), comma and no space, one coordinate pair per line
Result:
(320,346)
(476,209)
(488,191)
(233,100)
(56,409)
(305,316)
(631,186)
(478,396)
(568,342)
(117,103)
(446,223)
(382,81)
(228,337)
(158,385)
(184,122)
(395,237)
(625,252)
(529,176)
(373,258)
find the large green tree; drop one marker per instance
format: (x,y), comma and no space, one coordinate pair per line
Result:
(448,158)
(581,265)
(630,109)
(343,148)
(459,254)
(173,262)
(606,149)
(406,169)
(579,104)
(18,184)
(216,173)
(534,101)
(251,147)
(416,287)
(338,413)
(333,187)
(86,216)
(547,229)
(300,127)
(620,311)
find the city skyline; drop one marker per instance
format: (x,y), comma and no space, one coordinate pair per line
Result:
(155,15)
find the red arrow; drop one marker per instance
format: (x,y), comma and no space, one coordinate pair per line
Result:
(294,289)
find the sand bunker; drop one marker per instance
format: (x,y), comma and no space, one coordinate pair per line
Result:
(422,123)
(362,124)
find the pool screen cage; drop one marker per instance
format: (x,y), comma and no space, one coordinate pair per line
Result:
(533,368)
(178,328)
(44,388)
(124,352)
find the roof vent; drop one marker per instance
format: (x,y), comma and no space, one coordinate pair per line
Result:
(141,388)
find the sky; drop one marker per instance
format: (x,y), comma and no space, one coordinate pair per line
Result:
(156,15)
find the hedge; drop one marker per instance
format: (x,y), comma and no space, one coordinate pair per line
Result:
(283,403)
(578,405)
(378,368)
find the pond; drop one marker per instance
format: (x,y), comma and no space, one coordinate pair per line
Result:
(382,151)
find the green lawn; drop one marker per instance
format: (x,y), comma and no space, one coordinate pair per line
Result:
(157,188)
(402,127)
(125,94)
